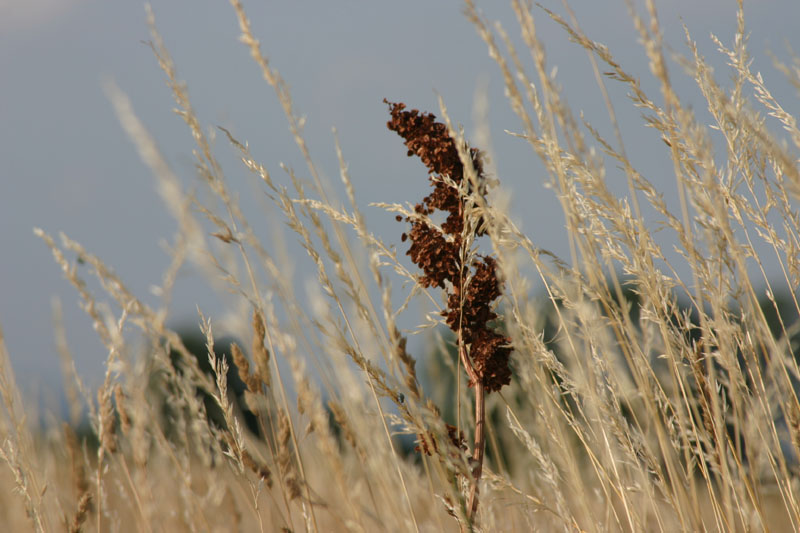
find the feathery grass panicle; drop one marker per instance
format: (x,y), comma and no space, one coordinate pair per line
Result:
(655,368)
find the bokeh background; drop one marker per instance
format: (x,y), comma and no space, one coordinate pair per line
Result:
(66,165)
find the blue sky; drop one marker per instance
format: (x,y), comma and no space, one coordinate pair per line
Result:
(66,164)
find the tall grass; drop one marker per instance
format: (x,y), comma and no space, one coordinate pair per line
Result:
(655,391)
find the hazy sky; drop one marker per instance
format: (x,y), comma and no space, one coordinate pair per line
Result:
(66,164)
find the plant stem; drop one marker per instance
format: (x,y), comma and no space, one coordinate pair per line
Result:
(480,427)
(480,444)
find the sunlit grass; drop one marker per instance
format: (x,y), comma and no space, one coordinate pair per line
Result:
(652,389)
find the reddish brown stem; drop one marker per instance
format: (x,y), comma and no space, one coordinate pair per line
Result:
(480,444)
(480,429)
(462,352)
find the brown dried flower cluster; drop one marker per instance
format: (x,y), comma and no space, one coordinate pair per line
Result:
(438,253)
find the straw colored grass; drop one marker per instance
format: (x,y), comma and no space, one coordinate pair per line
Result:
(654,371)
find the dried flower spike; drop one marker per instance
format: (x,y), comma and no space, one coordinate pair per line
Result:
(473,285)
(438,253)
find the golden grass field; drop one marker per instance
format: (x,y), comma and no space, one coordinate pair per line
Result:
(640,389)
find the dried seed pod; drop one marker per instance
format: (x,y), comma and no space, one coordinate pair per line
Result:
(438,253)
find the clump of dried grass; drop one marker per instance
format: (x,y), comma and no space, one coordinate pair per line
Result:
(638,413)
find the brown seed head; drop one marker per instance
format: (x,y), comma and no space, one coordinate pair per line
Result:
(438,253)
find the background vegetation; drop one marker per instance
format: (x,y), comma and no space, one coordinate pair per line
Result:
(654,370)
